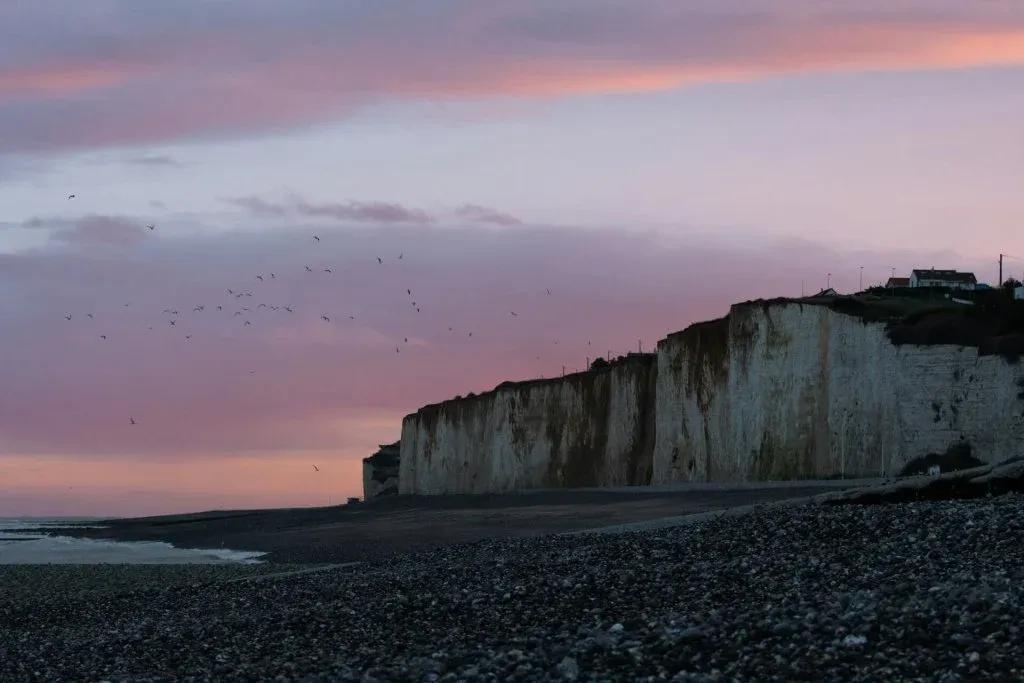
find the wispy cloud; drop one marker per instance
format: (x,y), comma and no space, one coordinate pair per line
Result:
(92,230)
(482,214)
(352,211)
(88,76)
(155,160)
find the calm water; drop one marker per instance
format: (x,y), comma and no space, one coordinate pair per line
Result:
(38,548)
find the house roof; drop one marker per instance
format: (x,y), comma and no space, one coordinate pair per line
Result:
(897,281)
(946,275)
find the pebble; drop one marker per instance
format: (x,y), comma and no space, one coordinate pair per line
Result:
(813,593)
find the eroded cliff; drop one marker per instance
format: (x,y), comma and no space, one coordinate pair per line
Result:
(593,428)
(785,389)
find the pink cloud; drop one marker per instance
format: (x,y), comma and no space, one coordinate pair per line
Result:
(87,77)
(210,383)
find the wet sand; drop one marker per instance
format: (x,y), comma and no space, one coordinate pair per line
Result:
(401,524)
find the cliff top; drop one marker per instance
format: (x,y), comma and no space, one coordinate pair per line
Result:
(993,322)
(598,366)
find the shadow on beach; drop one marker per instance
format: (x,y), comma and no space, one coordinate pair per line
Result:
(399,524)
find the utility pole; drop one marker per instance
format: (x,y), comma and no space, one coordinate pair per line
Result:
(861,287)
(828,281)
(999,283)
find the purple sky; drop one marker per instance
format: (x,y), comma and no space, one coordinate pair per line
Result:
(649,163)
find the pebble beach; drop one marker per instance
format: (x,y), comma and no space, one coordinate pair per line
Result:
(928,591)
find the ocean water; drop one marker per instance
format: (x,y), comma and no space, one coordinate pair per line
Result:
(40,548)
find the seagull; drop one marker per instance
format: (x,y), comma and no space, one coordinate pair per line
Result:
(237,313)
(231,291)
(514,314)
(260,278)
(247,323)
(103,336)
(151,227)
(260,306)
(308,269)
(417,309)
(380,260)
(470,334)
(406,340)
(246,309)
(400,256)
(220,308)
(409,292)
(289,309)
(548,291)
(187,337)
(197,308)
(172,322)
(397,350)
(71,196)
(316,238)
(327,270)
(131,420)
(272,276)
(449,329)
(67,317)
(88,315)
(325,318)
(314,466)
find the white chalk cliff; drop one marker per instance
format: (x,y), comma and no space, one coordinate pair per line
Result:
(775,390)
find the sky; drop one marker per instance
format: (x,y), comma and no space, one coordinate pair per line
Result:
(647,162)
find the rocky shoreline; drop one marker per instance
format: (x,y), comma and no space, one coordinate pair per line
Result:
(928,591)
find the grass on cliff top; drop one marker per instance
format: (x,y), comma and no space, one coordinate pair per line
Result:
(994,323)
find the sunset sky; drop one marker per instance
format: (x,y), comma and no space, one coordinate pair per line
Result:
(647,161)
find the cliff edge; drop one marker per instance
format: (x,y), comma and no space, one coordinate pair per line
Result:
(776,389)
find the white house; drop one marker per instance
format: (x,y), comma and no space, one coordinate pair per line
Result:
(942,278)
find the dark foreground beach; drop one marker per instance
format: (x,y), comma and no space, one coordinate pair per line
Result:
(916,592)
(922,591)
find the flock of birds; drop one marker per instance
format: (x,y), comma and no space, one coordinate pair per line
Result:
(241,296)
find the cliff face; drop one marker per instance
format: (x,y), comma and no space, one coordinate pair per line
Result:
(593,428)
(380,472)
(791,390)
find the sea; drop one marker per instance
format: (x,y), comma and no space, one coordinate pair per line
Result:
(33,545)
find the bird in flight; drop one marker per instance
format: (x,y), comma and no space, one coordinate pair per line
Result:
(308,269)
(103,336)
(220,308)
(325,318)
(314,466)
(409,292)
(548,291)
(401,255)
(187,337)
(260,278)
(231,291)
(71,196)
(289,309)
(327,270)
(380,260)
(514,314)
(247,323)
(88,315)
(151,226)
(272,276)
(131,420)
(172,322)
(67,317)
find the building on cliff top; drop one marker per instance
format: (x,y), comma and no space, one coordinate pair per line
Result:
(380,472)
(942,278)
